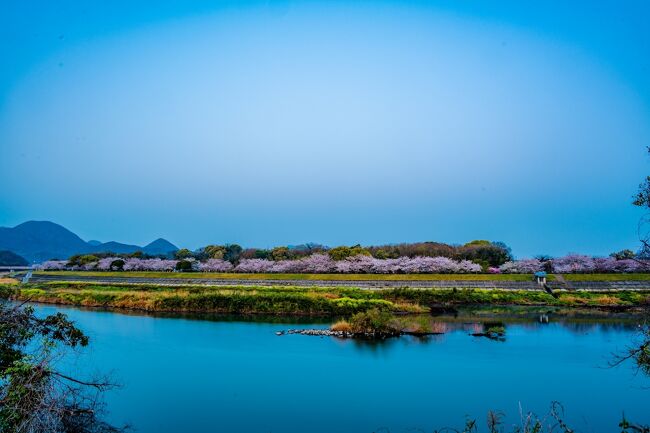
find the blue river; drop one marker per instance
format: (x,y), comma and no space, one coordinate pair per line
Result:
(222,374)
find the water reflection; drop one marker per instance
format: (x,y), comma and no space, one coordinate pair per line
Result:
(236,367)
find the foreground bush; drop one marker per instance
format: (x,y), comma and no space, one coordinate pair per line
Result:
(35,397)
(374,321)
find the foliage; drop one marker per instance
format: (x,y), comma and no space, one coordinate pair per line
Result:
(183,254)
(642,200)
(306,300)
(642,197)
(418,249)
(34,395)
(81,260)
(215,251)
(344,252)
(341,326)
(640,353)
(232,253)
(374,321)
(183,266)
(477,243)
(528,423)
(493,254)
(623,255)
(280,253)
(117,264)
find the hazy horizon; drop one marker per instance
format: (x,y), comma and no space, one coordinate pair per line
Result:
(271,123)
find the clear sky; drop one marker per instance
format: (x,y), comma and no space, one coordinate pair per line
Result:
(268,123)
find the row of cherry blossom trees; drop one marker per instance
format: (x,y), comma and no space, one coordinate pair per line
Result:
(576,263)
(323,263)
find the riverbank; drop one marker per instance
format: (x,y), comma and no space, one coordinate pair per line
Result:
(595,277)
(294,277)
(300,300)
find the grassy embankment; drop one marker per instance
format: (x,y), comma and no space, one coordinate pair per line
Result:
(331,301)
(606,277)
(322,277)
(351,277)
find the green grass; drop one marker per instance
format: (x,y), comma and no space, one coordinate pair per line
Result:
(325,277)
(606,277)
(301,300)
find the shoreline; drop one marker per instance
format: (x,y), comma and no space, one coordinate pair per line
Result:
(317,302)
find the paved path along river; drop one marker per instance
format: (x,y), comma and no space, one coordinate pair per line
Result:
(365,284)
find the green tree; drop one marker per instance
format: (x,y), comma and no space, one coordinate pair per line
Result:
(343,252)
(281,253)
(478,243)
(184,266)
(117,265)
(623,255)
(232,253)
(262,254)
(34,395)
(642,200)
(182,254)
(82,259)
(215,251)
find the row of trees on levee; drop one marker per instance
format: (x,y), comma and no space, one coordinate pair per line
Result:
(478,256)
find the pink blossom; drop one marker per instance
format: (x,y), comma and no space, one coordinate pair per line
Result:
(525,266)
(156,265)
(255,266)
(573,263)
(54,265)
(215,265)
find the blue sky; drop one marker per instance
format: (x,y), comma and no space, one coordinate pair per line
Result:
(267,123)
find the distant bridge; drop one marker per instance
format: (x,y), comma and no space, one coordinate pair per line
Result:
(12,270)
(15,268)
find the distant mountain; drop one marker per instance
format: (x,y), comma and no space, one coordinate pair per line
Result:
(7,258)
(115,247)
(159,246)
(41,240)
(38,241)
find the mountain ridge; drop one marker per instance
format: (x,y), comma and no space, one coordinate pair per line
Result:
(38,241)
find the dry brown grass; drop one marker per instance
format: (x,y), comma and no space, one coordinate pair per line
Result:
(341,326)
(8,281)
(607,300)
(573,300)
(410,307)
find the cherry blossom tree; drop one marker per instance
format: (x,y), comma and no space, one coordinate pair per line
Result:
(215,265)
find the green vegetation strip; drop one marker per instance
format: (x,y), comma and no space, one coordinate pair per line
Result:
(321,277)
(606,277)
(306,300)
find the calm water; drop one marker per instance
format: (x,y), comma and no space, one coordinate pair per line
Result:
(192,375)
